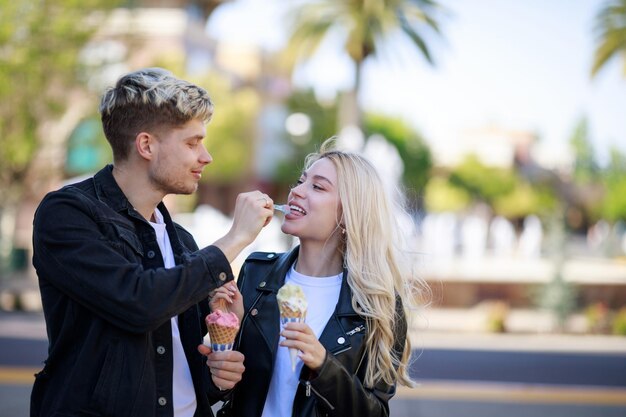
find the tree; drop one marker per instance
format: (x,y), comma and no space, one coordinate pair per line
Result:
(414,152)
(610,28)
(613,206)
(365,25)
(506,192)
(586,168)
(40,76)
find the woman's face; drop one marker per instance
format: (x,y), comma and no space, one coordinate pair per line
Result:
(314,204)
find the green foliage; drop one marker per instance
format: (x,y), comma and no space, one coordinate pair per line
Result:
(619,322)
(506,192)
(613,206)
(597,316)
(231,132)
(441,196)
(323,126)
(365,24)
(39,63)
(323,115)
(482,182)
(415,154)
(586,169)
(610,28)
(523,200)
(614,203)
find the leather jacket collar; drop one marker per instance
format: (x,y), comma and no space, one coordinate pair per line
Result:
(275,279)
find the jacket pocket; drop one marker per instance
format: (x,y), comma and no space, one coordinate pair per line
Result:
(131,239)
(105,393)
(121,238)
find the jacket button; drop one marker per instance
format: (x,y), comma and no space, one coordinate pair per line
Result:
(254,312)
(222,276)
(160,350)
(262,284)
(341,340)
(162,400)
(151,254)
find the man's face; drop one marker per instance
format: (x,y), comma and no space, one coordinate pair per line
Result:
(179,158)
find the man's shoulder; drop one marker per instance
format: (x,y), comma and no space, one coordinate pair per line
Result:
(79,190)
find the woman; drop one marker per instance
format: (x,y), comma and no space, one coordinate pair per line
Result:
(353,348)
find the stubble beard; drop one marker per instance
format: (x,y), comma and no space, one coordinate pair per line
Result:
(168,185)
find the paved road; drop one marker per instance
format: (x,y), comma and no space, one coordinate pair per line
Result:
(545,368)
(453,382)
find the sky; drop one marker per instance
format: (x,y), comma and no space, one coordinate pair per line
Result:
(519,65)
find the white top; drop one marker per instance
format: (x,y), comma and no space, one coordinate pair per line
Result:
(183,393)
(322,294)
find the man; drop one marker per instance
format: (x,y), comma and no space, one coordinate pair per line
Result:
(124,289)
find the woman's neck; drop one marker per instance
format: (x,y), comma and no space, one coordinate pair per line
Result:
(319,261)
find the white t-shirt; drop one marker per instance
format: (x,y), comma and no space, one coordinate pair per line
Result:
(183,395)
(322,294)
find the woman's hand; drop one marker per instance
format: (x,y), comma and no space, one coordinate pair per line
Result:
(301,337)
(227,298)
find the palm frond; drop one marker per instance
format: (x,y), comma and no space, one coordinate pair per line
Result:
(409,31)
(610,26)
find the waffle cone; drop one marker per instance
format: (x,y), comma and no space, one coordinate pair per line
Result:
(222,335)
(288,315)
(293,315)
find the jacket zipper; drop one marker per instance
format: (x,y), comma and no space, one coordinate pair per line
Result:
(341,351)
(308,387)
(307,390)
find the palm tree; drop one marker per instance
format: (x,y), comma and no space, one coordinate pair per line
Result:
(365,24)
(611,32)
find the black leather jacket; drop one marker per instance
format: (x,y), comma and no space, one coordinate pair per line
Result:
(337,389)
(108,301)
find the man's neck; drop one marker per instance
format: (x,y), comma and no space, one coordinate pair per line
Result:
(137,188)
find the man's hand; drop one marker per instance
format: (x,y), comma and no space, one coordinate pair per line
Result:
(226,367)
(253,211)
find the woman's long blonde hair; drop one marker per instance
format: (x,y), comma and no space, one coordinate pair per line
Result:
(379,269)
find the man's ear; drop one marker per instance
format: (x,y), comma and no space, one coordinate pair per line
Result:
(144,143)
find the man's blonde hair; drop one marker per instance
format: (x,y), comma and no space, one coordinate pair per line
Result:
(148,100)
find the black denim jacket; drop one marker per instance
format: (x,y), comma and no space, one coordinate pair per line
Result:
(108,302)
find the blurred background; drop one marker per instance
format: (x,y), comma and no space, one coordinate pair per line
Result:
(502,122)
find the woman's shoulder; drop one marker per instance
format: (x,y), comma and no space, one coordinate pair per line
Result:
(263,257)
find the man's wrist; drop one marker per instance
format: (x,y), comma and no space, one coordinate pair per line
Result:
(230,247)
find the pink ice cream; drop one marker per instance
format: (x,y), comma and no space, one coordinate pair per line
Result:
(222,319)
(223,328)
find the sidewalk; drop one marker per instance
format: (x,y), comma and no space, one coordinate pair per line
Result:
(527,330)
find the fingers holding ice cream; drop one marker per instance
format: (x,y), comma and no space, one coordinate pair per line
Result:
(292,305)
(300,338)
(228,299)
(226,365)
